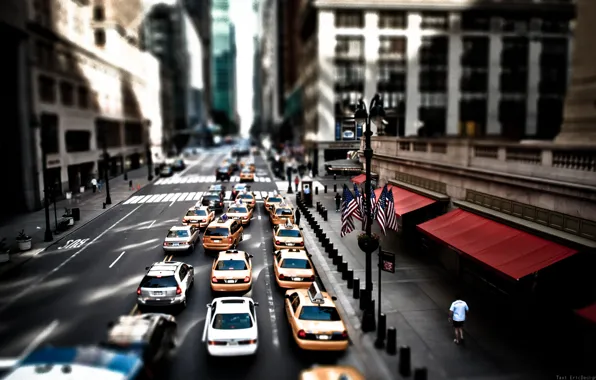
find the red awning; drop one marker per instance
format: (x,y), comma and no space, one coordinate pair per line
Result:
(508,250)
(359,179)
(588,312)
(404,200)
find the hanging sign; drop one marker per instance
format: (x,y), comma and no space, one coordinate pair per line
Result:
(387,261)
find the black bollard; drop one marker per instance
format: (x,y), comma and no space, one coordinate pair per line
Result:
(363,299)
(335,188)
(334,176)
(329,247)
(104,204)
(325,215)
(343,269)
(334,252)
(325,189)
(316,190)
(350,278)
(337,259)
(391,341)
(318,206)
(420,374)
(323,237)
(381,331)
(405,364)
(356,288)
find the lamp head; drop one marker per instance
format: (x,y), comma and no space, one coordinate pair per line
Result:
(377,113)
(360,115)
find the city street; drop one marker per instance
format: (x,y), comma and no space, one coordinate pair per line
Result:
(68,294)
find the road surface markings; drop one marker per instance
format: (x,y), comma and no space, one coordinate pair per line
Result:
(135,309)
(43,278)
(181,197)
(78,243)
(204,179)
(271,304)
(39,339)
(118,258)
(283,185)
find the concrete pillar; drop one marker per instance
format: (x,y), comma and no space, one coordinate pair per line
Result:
(534,52)
(325,88)
(321,159)
(414,35)
(493,126)
(454,76)
(579,120)
(371,54)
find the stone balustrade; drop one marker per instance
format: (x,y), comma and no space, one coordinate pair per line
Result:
(571,164)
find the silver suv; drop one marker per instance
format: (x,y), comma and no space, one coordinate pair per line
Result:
(165,284)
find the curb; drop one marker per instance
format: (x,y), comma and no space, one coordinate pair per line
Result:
(70,232)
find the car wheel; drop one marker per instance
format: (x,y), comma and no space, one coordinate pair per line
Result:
(192,283)
(184,304)
(242,236)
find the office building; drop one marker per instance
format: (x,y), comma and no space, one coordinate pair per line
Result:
(92,89)
(223,57)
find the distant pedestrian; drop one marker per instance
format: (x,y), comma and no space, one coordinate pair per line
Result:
(99,185)
(297,217)
(296,183)
(130,185)
(94,184)
(337,202)
(457,315)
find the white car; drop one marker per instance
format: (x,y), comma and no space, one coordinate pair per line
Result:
(231,327)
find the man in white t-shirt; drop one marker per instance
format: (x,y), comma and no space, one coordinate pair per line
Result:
(457,315)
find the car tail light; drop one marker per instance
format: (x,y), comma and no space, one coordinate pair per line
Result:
(246,279)
(214,279)
(245,217)
(278,242)
(344,335)
(311,278)
(178,290)
(221,203)
(281,276)
(302,334)
(139,291)
(229,240)
(301,243)
(216,343)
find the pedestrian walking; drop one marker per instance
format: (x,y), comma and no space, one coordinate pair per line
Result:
(297,217)
(99,185)
(337,202)
(296,183)
(94,184)
(457,315)
(130,185)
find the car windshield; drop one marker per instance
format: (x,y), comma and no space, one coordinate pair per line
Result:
(246,171)
(288,233)
(216,231)
(238,210)
(319,313)
(231,265)
(178,234)
(296,264)
(215,188)
(274,200)
(283,211)
(223,170)
(197,213)
(246,196)
(235,321)
(159,282)
(239,187)
(211,197)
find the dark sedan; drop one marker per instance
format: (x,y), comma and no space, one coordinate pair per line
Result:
(214,200)
(223,173)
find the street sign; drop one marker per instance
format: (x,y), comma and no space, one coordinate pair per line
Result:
(387,261)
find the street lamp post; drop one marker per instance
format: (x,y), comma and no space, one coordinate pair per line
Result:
(375,114)
(46,197)
(106,165)
(148,152)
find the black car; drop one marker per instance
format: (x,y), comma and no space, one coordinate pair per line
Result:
(166,171)
(179,165)
(152,335)
(214,200)
(217,188)
(223,173)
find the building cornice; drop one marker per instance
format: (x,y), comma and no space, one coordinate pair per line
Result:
(506,5)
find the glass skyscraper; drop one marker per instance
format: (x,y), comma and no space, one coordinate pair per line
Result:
(223,59)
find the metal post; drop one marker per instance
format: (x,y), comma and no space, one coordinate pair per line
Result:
(149,164)
(46,201)
(55,213)
(106,162)
(380,342)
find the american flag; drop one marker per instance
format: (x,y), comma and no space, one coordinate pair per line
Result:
(359,214)
(391,216)
(348,208)
(381,210)
(372,206)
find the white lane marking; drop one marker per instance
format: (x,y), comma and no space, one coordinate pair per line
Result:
(159,181)
(187,168)
(167,198)
(264,194)
(267,179)
(182,197)
(39,339)
(153,198)
(43,278)
(228,194)
(145,198)
(118,258)
(190,196)
(257,195)
(132,199)
(274,329)
(159,198)
(259,217)
(198,196)
(173,199)
(151,225)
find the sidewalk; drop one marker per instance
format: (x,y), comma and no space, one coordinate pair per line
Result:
(90,204)
(416,300)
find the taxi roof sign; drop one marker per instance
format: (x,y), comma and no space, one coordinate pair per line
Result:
(315,295)
(223,218)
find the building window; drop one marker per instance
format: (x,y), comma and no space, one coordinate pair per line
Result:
(516,24)
(83,97)
(45,55)
(99,13)
(349,19)
(434,51)
(392,77)
(349,72)
(474,81)
(50,132)
(512,115)
(475,22)
(43,13)
(435,20)
(66,93)
(472,117)
(349,47)
(391,100)
(133,134)
(345,102)
(393,20)
(78,141)
(393,47)
(100,37)
(47,89)
(108,131)
(555,26)
(475,52)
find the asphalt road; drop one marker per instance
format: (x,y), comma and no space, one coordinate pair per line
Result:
(68,294)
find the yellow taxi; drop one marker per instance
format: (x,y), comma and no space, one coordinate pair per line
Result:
(240,211)
(231,271)
(281,213)
(287,235)
(272,199)
(247,176)
(247,198)
(251,166)
(223,233)
(293,269)
(331,372)
(198,217)
(315,322)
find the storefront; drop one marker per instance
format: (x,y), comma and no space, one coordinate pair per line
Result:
(80,175)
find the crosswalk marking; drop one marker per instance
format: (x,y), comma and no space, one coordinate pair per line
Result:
(180,197)
(201,179)
(228,194)
(283,185)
